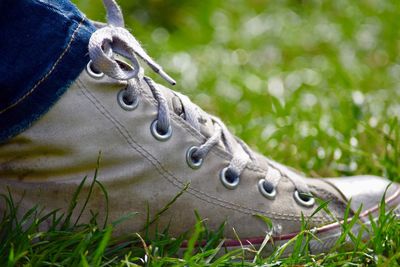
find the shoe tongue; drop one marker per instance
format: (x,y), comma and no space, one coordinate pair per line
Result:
(205,124)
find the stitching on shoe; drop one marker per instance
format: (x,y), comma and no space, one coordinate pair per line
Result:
(44,78)
(173,179)
(334,198)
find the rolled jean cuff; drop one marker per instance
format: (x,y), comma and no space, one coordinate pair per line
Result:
(44,49)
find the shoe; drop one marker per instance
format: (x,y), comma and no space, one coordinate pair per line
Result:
(155,145)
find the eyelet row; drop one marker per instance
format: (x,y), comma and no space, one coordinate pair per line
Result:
(228,178)
(268,191)
(129,106)
(121,97)
(231,180)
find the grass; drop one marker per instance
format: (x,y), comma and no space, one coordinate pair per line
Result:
(53,239)
(312,84)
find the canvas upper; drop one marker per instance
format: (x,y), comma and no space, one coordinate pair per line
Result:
(114,110)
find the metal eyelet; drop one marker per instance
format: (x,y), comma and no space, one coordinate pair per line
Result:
(304,199)
(193,163)
(94,73)
(123,103)
(265,191)
(160,136)
(228,182)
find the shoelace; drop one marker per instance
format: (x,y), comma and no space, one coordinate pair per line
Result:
(115,39)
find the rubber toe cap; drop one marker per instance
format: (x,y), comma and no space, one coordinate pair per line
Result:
(365,190)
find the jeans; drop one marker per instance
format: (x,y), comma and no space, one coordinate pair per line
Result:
(43,48)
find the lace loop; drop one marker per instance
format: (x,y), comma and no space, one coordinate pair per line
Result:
(113,38)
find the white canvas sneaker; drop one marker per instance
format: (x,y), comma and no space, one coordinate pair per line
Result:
(155,143)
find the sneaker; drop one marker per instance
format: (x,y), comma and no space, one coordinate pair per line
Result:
(157,146)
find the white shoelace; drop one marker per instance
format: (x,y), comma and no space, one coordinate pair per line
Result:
(115,39)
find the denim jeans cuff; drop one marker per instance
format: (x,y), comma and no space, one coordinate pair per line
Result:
(44,44)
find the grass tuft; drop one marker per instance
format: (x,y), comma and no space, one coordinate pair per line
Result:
(24,243)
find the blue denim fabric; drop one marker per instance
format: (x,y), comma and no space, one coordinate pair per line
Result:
(43,48)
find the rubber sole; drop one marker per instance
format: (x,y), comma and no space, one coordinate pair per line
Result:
(327,235)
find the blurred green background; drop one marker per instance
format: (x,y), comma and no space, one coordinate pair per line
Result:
(312,84)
